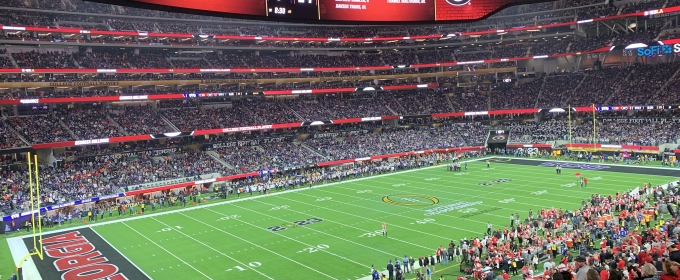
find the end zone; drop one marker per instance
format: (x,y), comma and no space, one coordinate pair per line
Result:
(581,165)
(82,254)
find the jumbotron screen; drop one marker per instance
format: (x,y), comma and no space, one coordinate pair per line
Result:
(337,10)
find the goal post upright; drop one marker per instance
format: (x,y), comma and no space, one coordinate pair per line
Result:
(569,123)
(32,197)
(594,130)
(34,189)
(37,190)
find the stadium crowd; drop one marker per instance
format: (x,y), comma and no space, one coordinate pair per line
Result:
(89,171)
(617,236)
(558,89)
(529,133)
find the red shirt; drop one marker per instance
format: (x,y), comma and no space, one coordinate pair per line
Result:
(621,264)
(642,256)
(668,277)
(506,276)
(604,274)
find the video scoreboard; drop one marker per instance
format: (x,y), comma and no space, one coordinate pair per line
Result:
(371,11)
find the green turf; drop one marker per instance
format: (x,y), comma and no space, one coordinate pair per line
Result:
(8,266)
(231,241)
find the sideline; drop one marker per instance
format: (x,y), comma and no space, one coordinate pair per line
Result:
(248,198)
(593,163)
(33,269)
(19,250)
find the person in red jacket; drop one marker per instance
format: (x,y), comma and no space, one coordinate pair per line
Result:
(669,271)
(642,257)
(604,274)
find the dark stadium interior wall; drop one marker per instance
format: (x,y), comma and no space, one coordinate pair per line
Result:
(589,60)
(550,66)
(541,65)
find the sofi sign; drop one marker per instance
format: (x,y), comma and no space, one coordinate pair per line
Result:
(657,50)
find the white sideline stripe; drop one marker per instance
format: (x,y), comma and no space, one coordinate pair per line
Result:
(349,226)
(121,253)
(246,198)
(159,246)
(256,245)
(211,248)
(18,249)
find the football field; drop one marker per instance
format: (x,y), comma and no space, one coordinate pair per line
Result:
(333,231)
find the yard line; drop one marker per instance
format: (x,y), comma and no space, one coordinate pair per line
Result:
(503,174)
(380,197)
(443,214)
(548,203)
(293,239)
(614,173)
(211,248)
(159,246)
(504,189)
(121,253)
(248,198)
(456,194)
(373,220)
(349,226)
(610,164)
(514,172)
(465,189)
(256,245)
(399,214)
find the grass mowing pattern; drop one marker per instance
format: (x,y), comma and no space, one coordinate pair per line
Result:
(231,241)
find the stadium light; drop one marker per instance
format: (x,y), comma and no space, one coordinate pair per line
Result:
(636,45)
(556,110)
